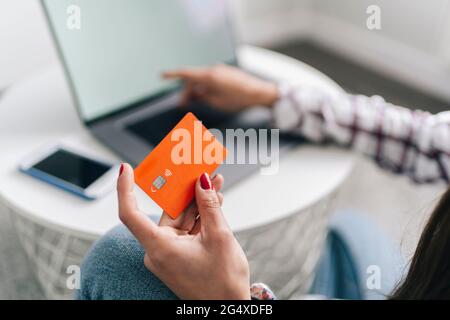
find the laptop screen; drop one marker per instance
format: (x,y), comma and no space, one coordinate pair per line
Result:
(115,50)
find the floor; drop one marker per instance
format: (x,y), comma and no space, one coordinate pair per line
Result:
(394,203)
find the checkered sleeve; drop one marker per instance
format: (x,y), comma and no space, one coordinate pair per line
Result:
(260,291)
(414,143)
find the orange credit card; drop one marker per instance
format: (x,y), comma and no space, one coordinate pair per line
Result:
(168,174)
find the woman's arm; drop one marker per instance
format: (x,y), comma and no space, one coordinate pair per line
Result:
(415,143)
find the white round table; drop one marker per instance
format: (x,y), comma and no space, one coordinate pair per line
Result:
(280,220)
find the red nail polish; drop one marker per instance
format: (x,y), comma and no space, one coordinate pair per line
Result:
(121,169)
(205,182)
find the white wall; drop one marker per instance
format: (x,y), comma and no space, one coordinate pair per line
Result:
(24,42)
(268,22)
(415,23)
(413,44)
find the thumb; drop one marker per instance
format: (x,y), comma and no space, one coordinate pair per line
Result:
(208,204)
(140,225)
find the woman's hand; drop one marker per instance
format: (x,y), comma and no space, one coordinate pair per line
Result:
(196,256)
(224,87)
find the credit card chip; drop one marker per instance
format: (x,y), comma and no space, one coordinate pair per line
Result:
(159,182)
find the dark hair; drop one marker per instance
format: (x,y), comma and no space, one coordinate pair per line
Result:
(429,273)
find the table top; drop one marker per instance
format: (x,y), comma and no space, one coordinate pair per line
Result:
(39,110)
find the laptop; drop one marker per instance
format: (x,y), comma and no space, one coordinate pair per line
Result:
(114,52)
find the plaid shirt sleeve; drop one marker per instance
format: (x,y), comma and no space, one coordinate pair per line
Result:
(414,143)
(260,291)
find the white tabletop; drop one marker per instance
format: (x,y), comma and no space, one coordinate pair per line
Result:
(40,110)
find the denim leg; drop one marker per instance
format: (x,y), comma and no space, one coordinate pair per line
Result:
(359,262)
(336,275)
(114,269)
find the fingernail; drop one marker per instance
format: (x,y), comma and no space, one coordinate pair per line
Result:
(121,170)
(205,182)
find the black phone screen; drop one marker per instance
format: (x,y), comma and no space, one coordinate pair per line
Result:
(72,168)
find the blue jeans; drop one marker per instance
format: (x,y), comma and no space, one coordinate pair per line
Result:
(114,269)
(359,261)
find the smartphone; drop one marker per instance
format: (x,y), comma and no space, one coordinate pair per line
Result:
(71,171)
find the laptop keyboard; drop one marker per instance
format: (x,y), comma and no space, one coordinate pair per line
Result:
(154,128)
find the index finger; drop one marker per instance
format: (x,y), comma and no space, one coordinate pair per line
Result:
(142,227)
(193,74)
